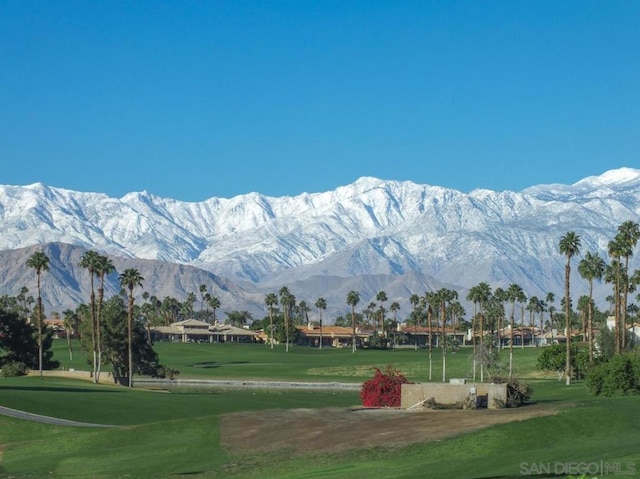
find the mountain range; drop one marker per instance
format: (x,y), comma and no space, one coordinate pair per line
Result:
(371,235)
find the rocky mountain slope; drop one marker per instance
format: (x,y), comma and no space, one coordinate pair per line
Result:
(372,235)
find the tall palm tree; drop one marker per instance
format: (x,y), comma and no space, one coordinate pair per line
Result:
(431,301)
(414,299)
(481,295)
(353,298)
(550,298)
(214,304)
(569,246)
(512,295)
(39,262)
(102,268)
(129,279)
(445,297)
(321,304)
(500,297)
(288,301)
(89,261)
(70,326)
(472,296)
(271,299)
(591,267)
(629,234)
(394,308)
(616,250)
(203,294)
(381,297)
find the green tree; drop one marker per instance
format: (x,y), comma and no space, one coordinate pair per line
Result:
(116,344)
(19,343)
(39,262)
(353,298)
(569,246)
(129,279)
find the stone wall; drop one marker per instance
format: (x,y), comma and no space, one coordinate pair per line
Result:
(453,393)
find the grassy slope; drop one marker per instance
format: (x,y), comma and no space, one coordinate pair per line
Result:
(170,434)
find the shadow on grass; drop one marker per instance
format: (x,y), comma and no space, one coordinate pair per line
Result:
(56,389)
(216,364)
(205,365)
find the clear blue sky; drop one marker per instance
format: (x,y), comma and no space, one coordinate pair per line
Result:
(195,99)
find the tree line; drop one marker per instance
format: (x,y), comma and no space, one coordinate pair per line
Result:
(493,309)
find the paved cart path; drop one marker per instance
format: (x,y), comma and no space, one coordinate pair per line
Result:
(28,416)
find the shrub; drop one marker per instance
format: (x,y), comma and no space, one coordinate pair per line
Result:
(554,358)
(384,389)
(13,369)
(620,375)
(518,392)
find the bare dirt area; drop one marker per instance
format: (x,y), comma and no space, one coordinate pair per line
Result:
(336,429)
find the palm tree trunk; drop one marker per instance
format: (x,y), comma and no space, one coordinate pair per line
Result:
(130,338)
(567,299)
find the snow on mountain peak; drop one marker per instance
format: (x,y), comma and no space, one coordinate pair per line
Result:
(371,226)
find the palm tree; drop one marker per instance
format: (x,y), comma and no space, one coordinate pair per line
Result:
(381,297)
(591,267)
(214,304)
(321,304)
(288,301)
(480,295)
(414,299)
(394,308)
(129,279)
(616,250)
(500,297)
(102,267)
(550,298)
(89,261)
(629,234)
(39,262)
(431,300)
(203,294)
(512,295)
(569,246)
(445,296)
(271,299)
(353,298)
(70,325)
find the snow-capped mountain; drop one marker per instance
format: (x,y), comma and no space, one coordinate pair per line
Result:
(397,236)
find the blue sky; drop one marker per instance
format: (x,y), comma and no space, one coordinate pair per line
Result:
(195,99)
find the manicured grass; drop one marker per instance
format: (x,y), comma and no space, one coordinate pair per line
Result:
(302,363)
(176,434)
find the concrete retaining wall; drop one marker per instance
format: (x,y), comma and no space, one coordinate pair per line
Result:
(450,394)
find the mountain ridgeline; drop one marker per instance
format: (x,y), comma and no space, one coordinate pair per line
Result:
(369,236)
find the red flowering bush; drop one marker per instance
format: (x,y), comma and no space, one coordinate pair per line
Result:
(383,389)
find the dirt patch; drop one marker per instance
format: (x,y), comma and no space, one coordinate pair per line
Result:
(336,429)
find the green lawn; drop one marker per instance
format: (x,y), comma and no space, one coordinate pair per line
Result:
(301,363)
(177,434)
